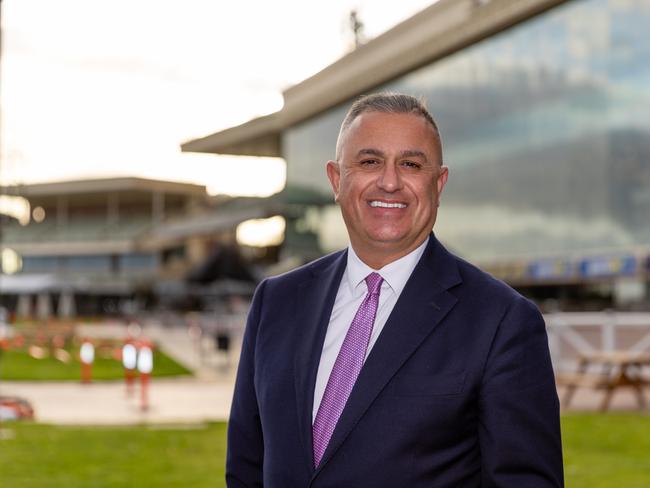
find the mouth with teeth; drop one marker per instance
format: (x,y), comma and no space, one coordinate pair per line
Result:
(380,204)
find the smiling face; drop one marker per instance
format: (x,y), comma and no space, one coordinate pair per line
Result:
(388,182)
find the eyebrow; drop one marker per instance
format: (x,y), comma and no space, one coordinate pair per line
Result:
(370,152)
(413,153)
(408,153)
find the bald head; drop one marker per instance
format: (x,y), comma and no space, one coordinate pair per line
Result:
(387,102)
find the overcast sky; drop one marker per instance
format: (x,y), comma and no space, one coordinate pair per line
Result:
(94,88)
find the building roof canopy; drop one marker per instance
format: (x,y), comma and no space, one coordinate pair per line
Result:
(435,32)
(130,190)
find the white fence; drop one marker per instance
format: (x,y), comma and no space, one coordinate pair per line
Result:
(572,334)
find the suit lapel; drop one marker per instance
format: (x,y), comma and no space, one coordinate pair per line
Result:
(316,299)
(423,304)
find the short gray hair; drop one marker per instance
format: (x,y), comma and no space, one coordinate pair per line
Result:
(385,102)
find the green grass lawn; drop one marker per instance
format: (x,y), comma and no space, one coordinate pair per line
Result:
(606,450)
(17,364)
(611,450)
(49,456)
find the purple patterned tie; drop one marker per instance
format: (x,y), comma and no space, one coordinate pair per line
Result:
(346,368)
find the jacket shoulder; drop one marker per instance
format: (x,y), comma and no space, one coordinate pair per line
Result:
(306,271)
(481,283)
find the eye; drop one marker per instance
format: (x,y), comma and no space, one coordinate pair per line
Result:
(369,162)
(411,164)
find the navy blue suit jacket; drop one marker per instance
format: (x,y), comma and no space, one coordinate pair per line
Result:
(458,390)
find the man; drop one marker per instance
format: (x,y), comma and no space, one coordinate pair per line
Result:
(393,363)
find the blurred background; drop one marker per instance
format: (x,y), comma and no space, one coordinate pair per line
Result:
(158,159)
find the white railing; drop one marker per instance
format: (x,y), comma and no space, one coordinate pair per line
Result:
(572,334)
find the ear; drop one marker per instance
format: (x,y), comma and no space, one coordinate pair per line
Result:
(334,175)
(441,181)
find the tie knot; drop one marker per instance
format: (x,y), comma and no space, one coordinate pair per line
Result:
(373,280)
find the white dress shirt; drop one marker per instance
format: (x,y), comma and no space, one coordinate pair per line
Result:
(352,291)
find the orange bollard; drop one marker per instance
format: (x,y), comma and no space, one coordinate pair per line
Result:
(145,366)
(144,391)
(87,356)
(129,361)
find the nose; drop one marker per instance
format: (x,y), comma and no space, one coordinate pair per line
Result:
(389,179)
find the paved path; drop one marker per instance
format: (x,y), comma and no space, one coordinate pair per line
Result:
(103,403)
(175,401)
(586,400)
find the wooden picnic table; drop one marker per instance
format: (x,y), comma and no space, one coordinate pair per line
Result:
(618,369)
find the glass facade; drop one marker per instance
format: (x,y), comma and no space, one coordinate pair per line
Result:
(103,264)
(546,130)
(137,262)
(41,264)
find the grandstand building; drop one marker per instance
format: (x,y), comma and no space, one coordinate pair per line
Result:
(543,107)
(93,245)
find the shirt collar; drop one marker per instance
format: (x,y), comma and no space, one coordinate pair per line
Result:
(395,274)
